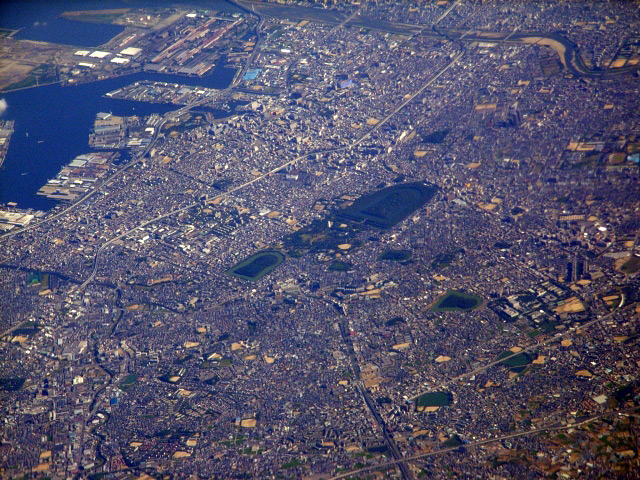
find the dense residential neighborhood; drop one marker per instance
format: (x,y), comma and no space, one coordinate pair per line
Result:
(400,240)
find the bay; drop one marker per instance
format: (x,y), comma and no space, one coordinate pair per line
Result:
(40,20)
(53,122)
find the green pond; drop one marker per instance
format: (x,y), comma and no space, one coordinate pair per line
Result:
(455,301)
(395,255)
(434,399)
(516,363)
(257,266)
(339,266)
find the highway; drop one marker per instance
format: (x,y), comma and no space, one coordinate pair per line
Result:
(571,56)
(268,173)
(388,438)
(408,100)
(364,393)
(446,12)
(394,450)
(399,460)
(252,57)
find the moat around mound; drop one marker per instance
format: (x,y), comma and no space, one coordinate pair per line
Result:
(454,300)
(340,229)
(395,255)
(384,208)
(257,266)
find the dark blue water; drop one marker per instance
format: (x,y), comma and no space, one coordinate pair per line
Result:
(39,19)
(52,126)
(52,123)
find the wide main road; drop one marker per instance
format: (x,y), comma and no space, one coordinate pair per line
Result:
(366,397)
(386,434)
(233,190)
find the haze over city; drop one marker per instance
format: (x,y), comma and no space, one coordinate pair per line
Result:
(319,239)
